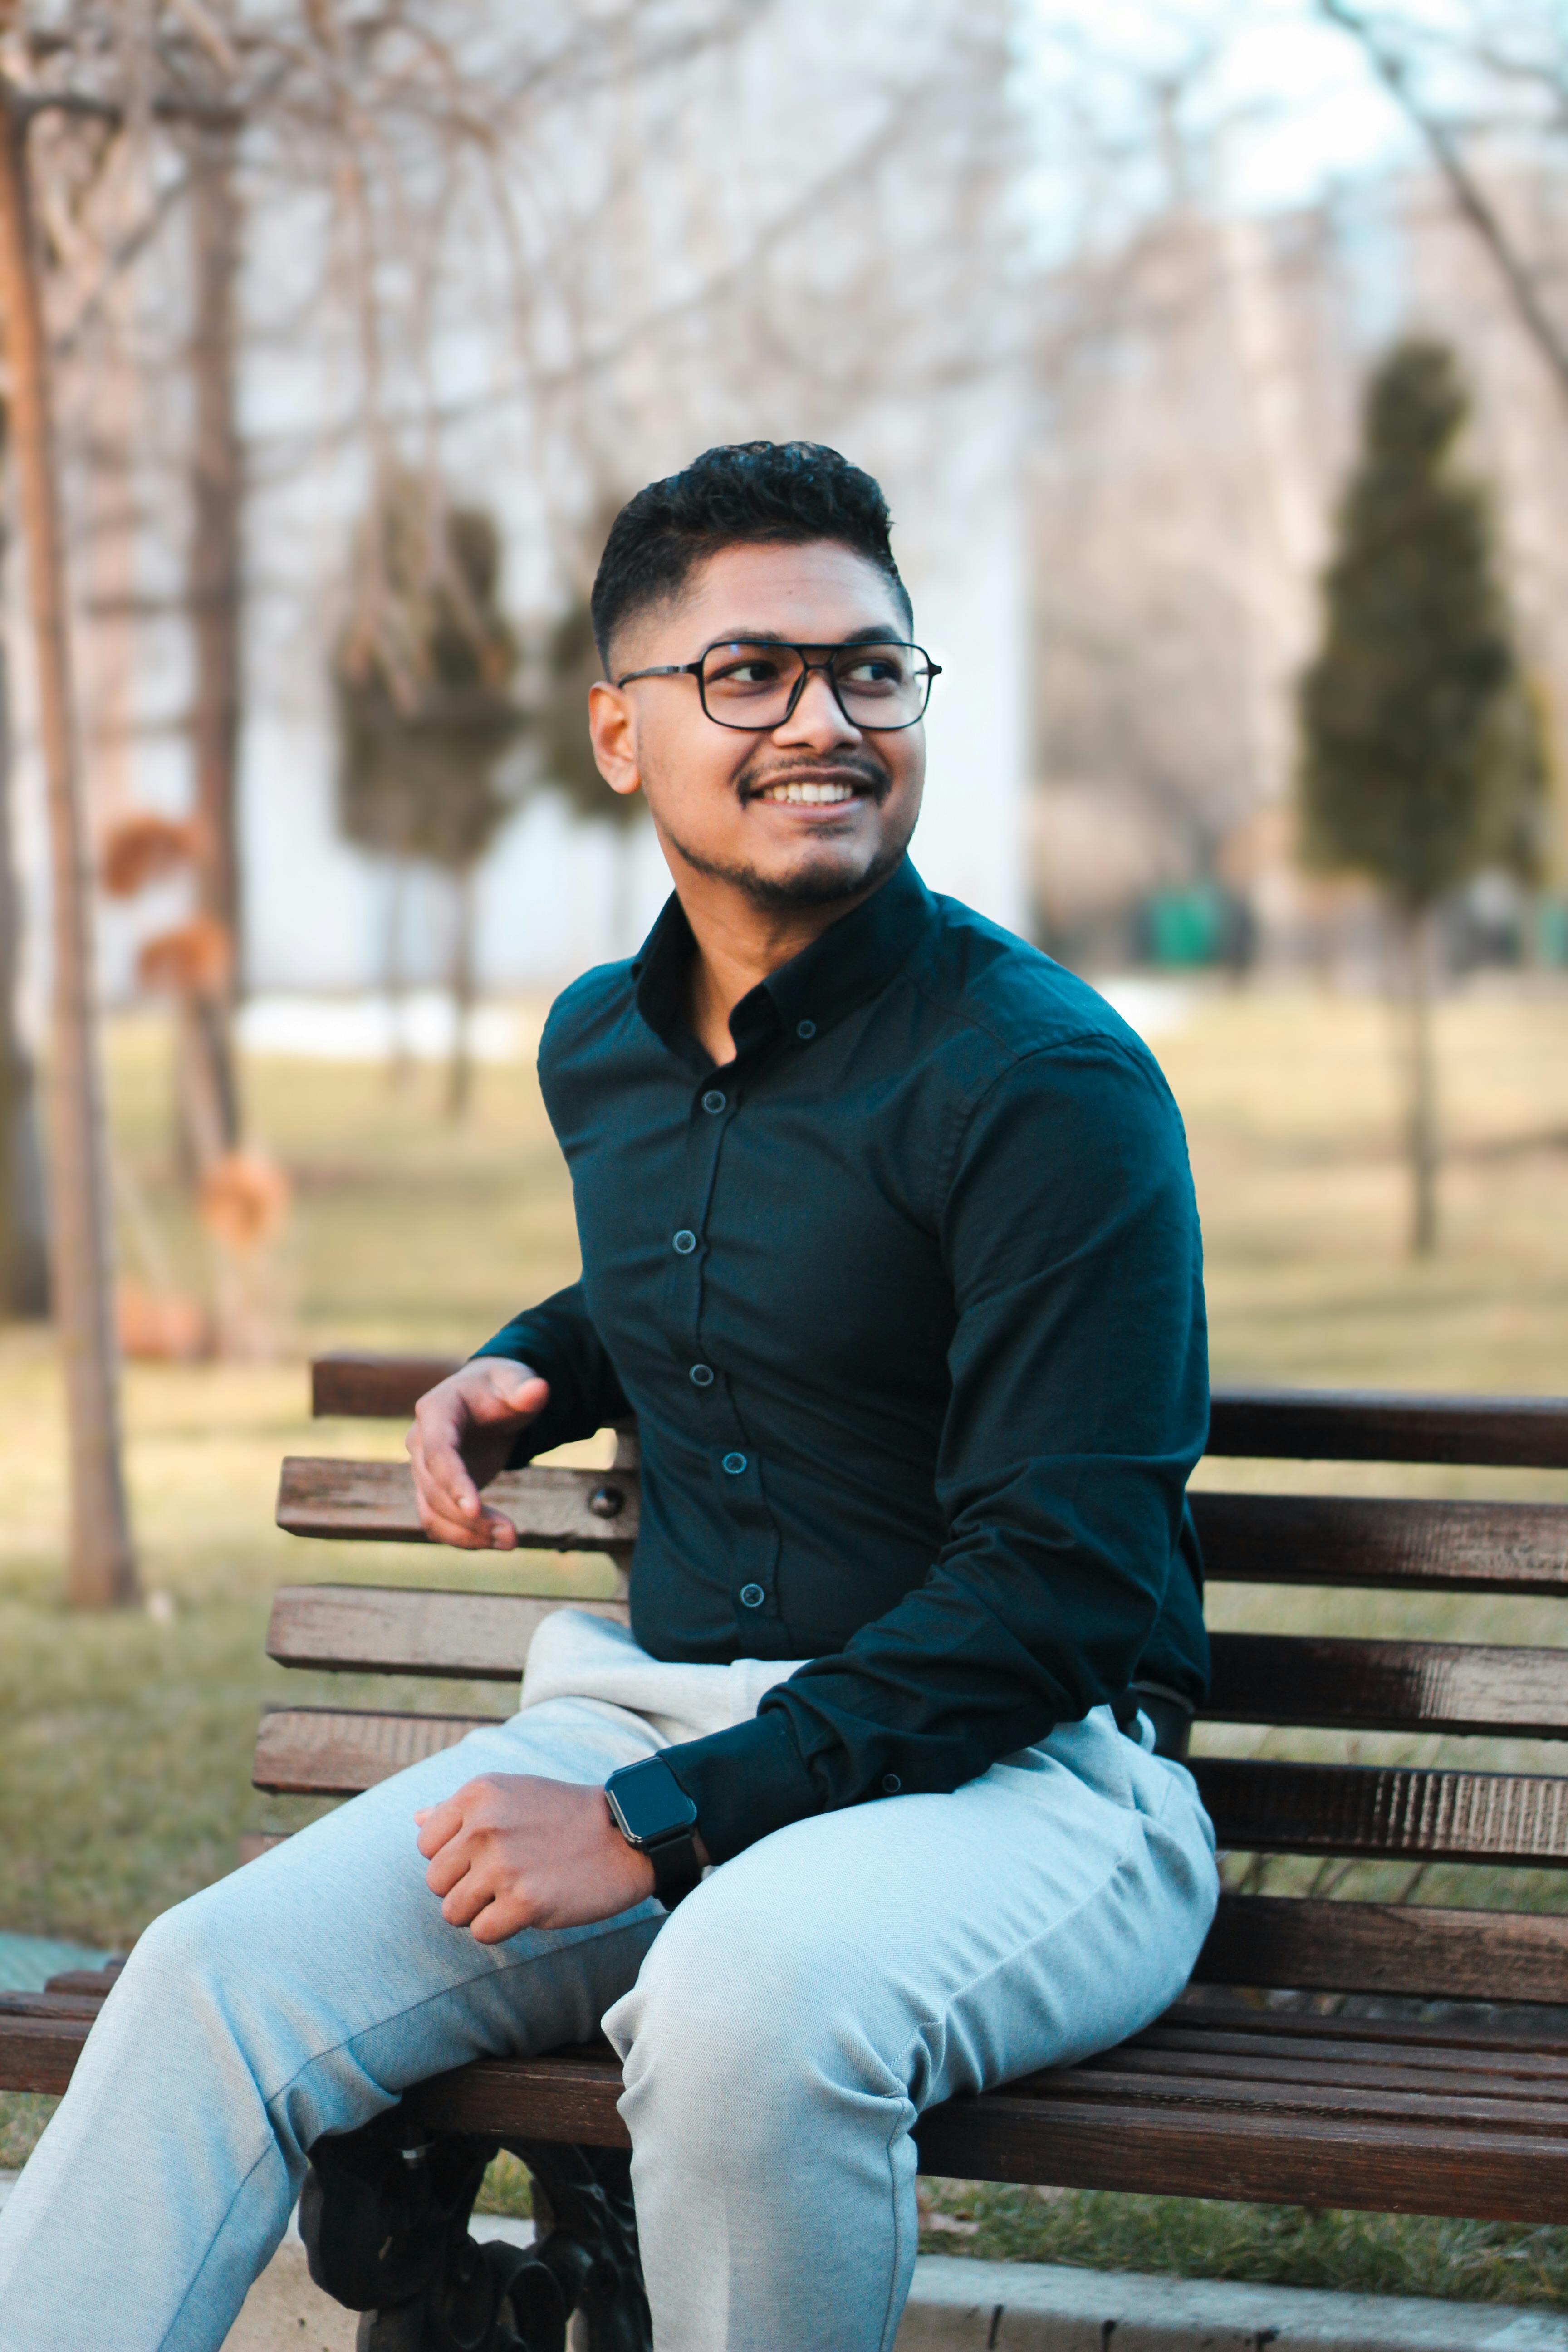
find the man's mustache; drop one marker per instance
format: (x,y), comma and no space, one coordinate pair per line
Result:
(861,770)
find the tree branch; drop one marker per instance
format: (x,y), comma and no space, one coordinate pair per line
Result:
(1469,198)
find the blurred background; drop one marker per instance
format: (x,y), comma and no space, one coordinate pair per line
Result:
(1215,359)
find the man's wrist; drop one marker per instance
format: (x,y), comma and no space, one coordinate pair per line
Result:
(657,1820)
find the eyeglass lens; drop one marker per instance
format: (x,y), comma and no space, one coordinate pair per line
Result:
(752,686)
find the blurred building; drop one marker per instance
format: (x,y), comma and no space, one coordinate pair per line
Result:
(1194,415)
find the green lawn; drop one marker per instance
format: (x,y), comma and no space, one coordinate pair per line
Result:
(125,1741)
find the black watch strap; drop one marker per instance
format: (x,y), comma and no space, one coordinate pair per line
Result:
(676,1869)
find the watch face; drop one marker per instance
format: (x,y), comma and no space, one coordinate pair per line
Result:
(650,1804)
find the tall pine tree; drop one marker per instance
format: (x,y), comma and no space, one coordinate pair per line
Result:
(1421,747)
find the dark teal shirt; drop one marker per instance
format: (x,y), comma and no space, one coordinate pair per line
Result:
(908,1302)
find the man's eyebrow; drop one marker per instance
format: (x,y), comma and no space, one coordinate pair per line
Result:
(869,635)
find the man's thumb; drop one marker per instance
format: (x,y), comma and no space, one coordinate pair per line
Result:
(516,1388)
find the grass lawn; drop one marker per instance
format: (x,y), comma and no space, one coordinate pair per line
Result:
(125,1741)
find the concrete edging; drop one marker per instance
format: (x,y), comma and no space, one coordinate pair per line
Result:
(961,2305)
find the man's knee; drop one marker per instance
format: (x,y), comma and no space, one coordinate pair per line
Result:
(739,2024)
(182,1950)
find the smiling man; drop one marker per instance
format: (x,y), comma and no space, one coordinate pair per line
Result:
(888,1242)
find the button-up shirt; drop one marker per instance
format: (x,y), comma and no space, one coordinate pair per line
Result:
(906,1300)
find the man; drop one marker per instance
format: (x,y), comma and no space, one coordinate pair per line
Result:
(888,1241)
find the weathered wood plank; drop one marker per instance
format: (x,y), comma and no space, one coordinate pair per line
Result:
(309,1751)
(1382,1543)
(372,1502)
(38,2054)
(1302,1425)
(363,1387)
(1402,2167)
(1494,2062)
(1385,1948)
(1528,2100)
(1447,1686)
(1378,1426)
(1400,1811)
(374,1629)
(1307,2160)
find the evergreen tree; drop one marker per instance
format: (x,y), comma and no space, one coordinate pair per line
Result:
(566,762)
(1422,758)
(425,716)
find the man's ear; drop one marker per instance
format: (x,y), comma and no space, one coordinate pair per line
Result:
(611,729)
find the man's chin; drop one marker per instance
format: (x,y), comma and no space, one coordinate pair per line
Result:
(821,877)
(819,874)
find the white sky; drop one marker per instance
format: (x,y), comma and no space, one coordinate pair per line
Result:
(1286,102)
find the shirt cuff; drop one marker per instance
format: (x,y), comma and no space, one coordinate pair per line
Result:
(745,1782)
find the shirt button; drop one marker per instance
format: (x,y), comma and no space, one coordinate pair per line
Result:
(751,1596)
(892,1784)
(701,1376)
(734,1464)
(685,1243)
(805,1031)
(713,1099)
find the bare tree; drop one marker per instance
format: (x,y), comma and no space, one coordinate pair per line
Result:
(24,1242)
(1518,53)
(101,1566)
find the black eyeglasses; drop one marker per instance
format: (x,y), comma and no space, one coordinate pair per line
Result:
(755,684)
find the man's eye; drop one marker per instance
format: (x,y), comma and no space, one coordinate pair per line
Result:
(753,671)
(876,670)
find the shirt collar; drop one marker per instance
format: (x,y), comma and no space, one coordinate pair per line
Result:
(851,962)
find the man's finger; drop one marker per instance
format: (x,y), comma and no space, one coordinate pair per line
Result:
(437,1823)
(489,1531)
(504,1917)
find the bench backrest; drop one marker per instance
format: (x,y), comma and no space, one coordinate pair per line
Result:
(1415,1814)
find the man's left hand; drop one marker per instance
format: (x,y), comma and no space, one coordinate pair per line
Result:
(509,1851)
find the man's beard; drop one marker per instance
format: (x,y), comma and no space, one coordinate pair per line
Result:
(810,884)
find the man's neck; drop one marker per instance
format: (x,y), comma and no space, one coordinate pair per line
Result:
(738,944)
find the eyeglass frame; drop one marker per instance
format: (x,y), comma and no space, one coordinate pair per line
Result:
(785,645)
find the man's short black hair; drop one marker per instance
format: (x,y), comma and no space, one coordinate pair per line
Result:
(747,493)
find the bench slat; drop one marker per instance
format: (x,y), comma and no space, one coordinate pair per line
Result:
(1319,2160)
(1365,1686)
(1297,1424)
(398,1629)
(1419,1547)
(1394,1810)
(320,1751)
(1227,2085)
(1099,2142)
(1525,1433)
(363,1387)
(1529,2100)
(553,1509)
(1426,1952)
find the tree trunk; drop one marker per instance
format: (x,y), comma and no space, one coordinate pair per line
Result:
(217,491)
(395,978)
(1422,1099)
(101,1566)
(23,1233)
(459,1072)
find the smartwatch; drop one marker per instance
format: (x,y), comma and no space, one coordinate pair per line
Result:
(654,1813)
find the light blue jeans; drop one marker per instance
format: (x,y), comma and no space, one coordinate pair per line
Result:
(781,2031)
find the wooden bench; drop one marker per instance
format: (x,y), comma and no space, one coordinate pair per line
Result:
(1454,2101)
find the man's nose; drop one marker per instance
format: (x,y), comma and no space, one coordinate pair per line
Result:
(817,720)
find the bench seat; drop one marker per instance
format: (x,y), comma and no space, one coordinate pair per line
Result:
(1215,2099)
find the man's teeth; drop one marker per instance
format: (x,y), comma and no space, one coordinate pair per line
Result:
(809,793)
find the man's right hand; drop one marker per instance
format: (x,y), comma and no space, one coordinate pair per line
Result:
(464,1431)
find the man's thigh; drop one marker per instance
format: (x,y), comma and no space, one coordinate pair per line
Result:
(333,1942)
(940,1944)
